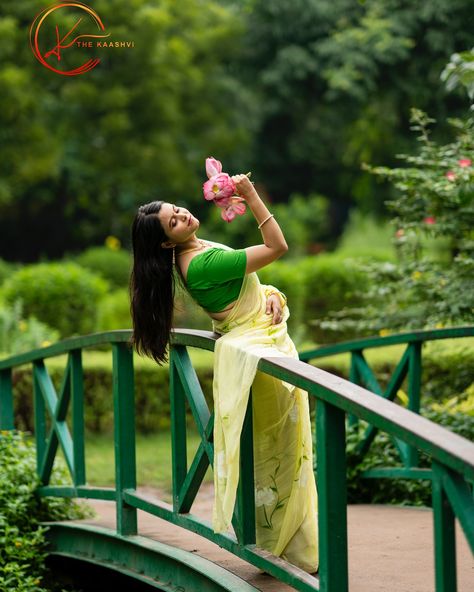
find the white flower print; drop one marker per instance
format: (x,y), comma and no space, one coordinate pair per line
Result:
(221,465)
(264,496)
(293,414)
(303,476)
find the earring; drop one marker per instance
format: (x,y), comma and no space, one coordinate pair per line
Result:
(174,258)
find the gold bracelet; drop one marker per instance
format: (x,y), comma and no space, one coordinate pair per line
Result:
(268,218)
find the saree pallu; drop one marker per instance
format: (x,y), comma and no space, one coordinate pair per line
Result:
(285,490)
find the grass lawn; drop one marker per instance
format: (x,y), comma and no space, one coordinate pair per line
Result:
(153,452)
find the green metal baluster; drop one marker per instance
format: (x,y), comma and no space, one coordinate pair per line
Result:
(332,492)
(178,429)
(6,400)
(444,536)
(354,377)
(414,388)
(124,435)
(40,419)
(246,489)
(77,391)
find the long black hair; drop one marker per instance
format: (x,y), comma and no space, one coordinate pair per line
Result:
(152,285)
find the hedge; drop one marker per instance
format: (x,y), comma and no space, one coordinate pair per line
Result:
(444,375)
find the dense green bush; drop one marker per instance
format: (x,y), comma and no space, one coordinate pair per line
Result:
(152,403)
(382,453)
(447,372)
(6,269)
(331,284)
(18,334)
(315,285)
(22,539)
(114,311)
(62,295)
(112,264)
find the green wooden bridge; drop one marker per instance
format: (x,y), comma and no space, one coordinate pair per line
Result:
(153,560)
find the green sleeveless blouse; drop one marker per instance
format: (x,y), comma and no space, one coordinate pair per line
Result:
(215,277)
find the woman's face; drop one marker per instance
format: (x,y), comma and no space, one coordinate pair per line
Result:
(177,222)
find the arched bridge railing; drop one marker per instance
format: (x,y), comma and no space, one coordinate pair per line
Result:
(410,367)
(452,456)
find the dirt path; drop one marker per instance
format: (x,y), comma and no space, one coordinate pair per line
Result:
(390,547)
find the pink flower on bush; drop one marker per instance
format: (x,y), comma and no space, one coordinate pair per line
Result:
(450,175)
(430,220)
(220,189)
(400,232)
(465,162)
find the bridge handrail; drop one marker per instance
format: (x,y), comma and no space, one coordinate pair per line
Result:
(386,340)
(449,448)
(452,455)
(409,367)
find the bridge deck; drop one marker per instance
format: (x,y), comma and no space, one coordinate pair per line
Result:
(390,548)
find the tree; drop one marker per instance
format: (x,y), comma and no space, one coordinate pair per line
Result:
(435,200)
(335,81)
(80,153)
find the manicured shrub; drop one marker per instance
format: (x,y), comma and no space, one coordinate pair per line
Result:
(114,311)
(152,401)
(113,265)
(65,296)
(331,283)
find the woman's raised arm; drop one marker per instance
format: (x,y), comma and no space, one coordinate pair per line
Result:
(274,241)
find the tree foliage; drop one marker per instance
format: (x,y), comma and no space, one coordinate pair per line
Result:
(79,153)
(301,92)
(435,200)
(336,80)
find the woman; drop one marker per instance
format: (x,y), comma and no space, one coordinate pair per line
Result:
(251,319)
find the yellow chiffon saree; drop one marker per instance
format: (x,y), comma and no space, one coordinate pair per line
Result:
(285,490)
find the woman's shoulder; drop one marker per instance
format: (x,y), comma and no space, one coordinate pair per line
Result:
(215,244)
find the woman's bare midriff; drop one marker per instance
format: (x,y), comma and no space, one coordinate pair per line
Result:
(221,315)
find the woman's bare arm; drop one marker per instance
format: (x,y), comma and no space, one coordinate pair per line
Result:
(274,241)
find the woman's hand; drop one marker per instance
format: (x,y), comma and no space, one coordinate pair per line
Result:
(243,185)
(274,307)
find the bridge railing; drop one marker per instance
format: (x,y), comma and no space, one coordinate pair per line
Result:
(409,367)
(452,456)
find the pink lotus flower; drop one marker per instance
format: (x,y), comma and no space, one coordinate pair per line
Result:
(450,175)
(430,220)
(465,162)
(235,208)
(218,187)
(213,167)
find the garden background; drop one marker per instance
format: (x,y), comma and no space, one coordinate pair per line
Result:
(318,99)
